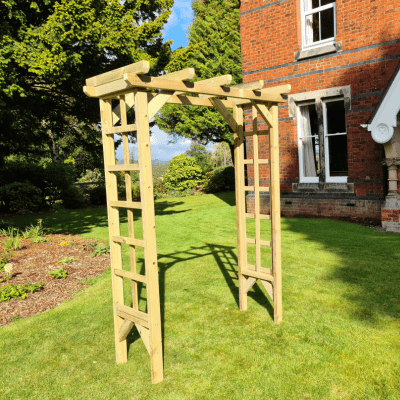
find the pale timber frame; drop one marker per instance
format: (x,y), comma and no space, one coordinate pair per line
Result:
(131,87)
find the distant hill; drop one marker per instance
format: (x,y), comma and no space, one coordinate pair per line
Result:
(153,162)
(159,162)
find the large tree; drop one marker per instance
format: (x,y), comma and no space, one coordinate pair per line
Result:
(213,50)
(49,47)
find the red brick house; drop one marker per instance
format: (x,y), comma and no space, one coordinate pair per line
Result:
(340,129)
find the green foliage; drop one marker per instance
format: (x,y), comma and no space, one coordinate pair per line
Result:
(10,291)
(67,260)
(25,185)
(97,195)
(182,173)
(39,239)
(73,197)
(20,197)
(158,171)
(213,50)
(222,155)
(220,180)
(100,249)
(34,231)
(202,156)
(58,273)
(136,191)
(48,48)
(95,175)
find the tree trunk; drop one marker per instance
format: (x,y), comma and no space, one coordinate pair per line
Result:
(232,149)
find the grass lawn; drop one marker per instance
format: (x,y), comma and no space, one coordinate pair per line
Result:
(339,339)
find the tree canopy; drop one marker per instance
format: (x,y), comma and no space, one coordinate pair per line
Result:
(213,50)
(47,50)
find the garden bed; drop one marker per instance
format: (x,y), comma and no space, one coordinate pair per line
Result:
(33,263)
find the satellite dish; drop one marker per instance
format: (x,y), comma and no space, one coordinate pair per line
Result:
(382,133)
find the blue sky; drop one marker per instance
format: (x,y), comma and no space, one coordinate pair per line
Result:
(176,29)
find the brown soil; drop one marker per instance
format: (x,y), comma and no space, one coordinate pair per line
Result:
(33,262)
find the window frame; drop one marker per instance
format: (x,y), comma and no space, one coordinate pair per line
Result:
(304,14)
(326,171)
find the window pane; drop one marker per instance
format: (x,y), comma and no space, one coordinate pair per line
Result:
(327,24)
(338,155)
(336,116)
(315,3)
(325,2)
(319,3)
(315,26)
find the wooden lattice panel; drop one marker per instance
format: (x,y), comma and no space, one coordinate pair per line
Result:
(270,276)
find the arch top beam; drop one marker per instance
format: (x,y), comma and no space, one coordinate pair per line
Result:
(131,81)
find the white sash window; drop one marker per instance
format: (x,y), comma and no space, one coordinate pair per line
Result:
(332,135)
(318,23)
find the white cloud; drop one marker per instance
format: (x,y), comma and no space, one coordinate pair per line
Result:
(182,15)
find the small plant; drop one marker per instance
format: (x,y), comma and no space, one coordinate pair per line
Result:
(58,273)
(89,246)
(10,291)
(64,243)
(100,249)
(33,287)
(67,260)
(34,231)
(13,240)
(40,239)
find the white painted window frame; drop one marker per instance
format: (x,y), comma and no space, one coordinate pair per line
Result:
(328,178)
(304,14)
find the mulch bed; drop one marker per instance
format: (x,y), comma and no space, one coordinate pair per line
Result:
(33,262)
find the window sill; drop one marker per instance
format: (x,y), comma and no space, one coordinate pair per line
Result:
(323,187)
(318,51)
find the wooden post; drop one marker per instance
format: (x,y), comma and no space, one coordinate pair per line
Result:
(240,205)
(256,174)
(275,215)
(149,235)
(114,228)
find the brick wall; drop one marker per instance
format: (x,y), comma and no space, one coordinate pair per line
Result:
(366,211)
(369,32)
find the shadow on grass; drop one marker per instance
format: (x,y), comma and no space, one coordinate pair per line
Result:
(226,260)
(227,197)
(78,222)
(369,262)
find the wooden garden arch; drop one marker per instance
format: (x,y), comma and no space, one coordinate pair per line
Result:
(148,94)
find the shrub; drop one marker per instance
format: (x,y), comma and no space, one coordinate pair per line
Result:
(94,175)
(50,178)
(97,195)
(18,197)
(73,197)
(182,173)
(58,180)
(220,179)
(136,191)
